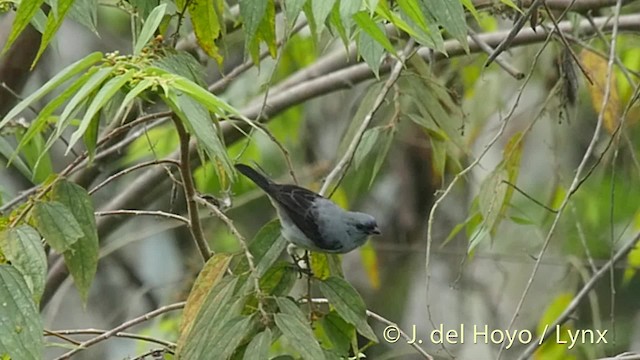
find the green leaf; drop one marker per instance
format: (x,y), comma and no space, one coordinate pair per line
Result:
(449,14)
(57,225)
(209,277)
(339,333)
(85,13)
(198,120)
(266,247)
(81,257)
(82,95)
(367,143)
(230,336)
(34,152)
(54,20)
(279,279)
(41,121)
(7,151)
(22,246)
(266,33)
(106,92)
(468,4)
(370,50)
(321,9)
(287,306)
(374,30)
(90,137)
(60,78)
(293,9)
(252,12)
(150,25)
(21,326)
(181,63)
(492,197)
(206,25)
(219,307)
(299,335)
(131,95)
(412,9)
(336,23)
(348,304)
(258,348)
(204,97)
(26,11)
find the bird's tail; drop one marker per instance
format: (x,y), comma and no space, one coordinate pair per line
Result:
(254,176)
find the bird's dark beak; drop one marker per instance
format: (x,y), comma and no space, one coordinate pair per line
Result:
(375,231)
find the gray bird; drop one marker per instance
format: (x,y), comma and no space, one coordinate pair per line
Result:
(312,221)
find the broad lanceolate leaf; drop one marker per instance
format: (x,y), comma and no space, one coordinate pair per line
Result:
(265,247)
(40,122)
(219,311)
(299,336)
(206,16)
(266,33)
(60,78)
(209,276)
(150,25)
(293,9)
(198,120)
(493,193)
(26,11)
(57,225)
(370,50)
(81,257)
(449,14)
(107,91)
(85,12)
(295,328)
(348,304)
(54,20)
(374,30)
(252,12)
(258,348)
(20,323)
(597,68)
(21,245)
(321,10)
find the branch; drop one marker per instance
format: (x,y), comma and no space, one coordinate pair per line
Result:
(61,334)
(143,212)
(190,191)
(121,327)
(566,314)
(340,169)
(576,182)
(324,83)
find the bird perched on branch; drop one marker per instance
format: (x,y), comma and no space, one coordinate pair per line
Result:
(311,221)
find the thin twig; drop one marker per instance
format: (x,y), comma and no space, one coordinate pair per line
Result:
(62,335)
(576,179)
(130,169)
(121,327)
(190,192)
(519,24)
(573,305)
(341,168)
(510,69)
(222,84)
(565,42)
(143,212)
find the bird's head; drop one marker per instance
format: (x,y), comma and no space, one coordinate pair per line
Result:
(365,224)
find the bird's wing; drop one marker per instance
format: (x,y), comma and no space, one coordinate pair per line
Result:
(299,205)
